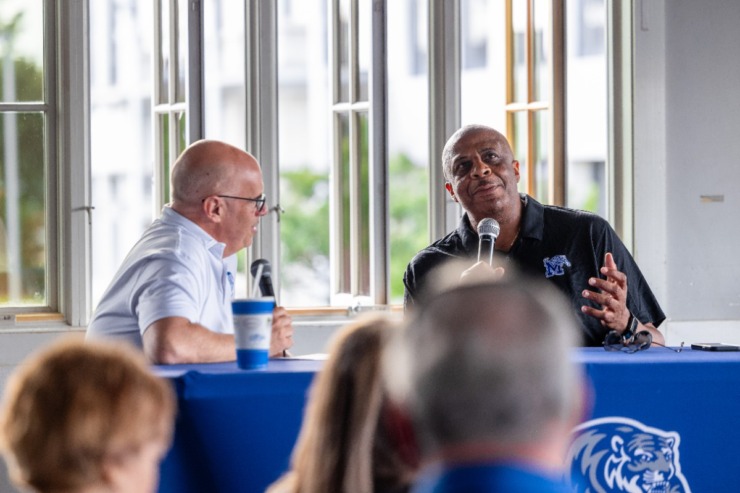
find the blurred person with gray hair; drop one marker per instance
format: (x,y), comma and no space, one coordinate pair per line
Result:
(484,377)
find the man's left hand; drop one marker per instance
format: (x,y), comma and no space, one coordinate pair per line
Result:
(282,332)
(611,294)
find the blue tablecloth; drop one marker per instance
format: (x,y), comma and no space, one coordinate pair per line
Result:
(235,429)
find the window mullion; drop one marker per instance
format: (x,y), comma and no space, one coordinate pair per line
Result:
(529,60)
(336,175)
(69,167)
(444,108)
(379,261)
(355,162)
(172,113)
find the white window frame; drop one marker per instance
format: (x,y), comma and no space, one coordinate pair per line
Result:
(66,144)
(69,262)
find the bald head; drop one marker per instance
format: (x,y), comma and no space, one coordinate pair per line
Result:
(209,167)
(450,149)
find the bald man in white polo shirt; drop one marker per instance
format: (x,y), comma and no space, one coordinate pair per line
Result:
(172,295)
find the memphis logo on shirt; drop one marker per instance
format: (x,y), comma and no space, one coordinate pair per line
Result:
(555,266)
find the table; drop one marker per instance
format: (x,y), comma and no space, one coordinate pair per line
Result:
(695,394)
(235,429)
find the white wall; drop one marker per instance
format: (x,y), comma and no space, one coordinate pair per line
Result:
(687,122)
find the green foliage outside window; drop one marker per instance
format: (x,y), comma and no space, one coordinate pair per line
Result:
(408,217)
(31,187)
(304,228)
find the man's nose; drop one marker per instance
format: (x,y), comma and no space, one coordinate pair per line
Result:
(480,168)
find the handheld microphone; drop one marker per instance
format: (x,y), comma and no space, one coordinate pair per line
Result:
(488,230)
(265,279)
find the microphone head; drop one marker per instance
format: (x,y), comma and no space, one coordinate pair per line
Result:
(488,227)
(266,269)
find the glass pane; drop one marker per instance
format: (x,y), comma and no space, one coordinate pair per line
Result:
(518,141)
(121,143)
(413,17)
(364,48)
(21,50)
(182,136)
(225,107)
(482,80)
(163,57)
(519,50)
(541,156)
(541,47)
(181,36)
(587,106)
(304,134)
(475,33)
(343,224)
(363,270)
(343,54)
(163,122)
(22,209)
(408,144)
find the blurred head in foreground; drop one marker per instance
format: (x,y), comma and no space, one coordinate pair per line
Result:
(345,445)
(81,417)
(484,374)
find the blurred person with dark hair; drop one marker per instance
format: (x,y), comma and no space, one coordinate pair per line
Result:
(86,417)
(484,376)
(345,444)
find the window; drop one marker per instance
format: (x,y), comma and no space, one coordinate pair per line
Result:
(348,232)
(528,100)
(587,106)
(346,104)
(27,126)
(532,98)
(121,133)
(523,100)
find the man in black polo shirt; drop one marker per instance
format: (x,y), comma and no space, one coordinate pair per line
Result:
(578,251)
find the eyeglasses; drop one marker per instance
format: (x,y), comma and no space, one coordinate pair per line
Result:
(614,341)
(259,201)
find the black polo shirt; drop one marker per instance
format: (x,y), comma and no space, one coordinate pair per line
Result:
(565,246)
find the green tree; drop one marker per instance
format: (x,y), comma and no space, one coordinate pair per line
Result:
(31,172)
(304,229)
(305,226)
(408,217)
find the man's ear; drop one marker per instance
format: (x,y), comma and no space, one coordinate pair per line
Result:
(515,166)
(448,187)
(213,208)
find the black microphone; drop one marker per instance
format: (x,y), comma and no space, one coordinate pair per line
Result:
(488,230)
(265,278)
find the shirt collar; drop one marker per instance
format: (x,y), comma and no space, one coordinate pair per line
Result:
(533,223)
(533,218)
(171,216)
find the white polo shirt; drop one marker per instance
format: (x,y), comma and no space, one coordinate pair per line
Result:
(175,270)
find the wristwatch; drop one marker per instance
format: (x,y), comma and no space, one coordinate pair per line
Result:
(632,324)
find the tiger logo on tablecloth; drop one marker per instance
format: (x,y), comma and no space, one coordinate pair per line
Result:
(621,454)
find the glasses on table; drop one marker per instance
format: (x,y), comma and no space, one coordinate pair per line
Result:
(259,201)
(639,341)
